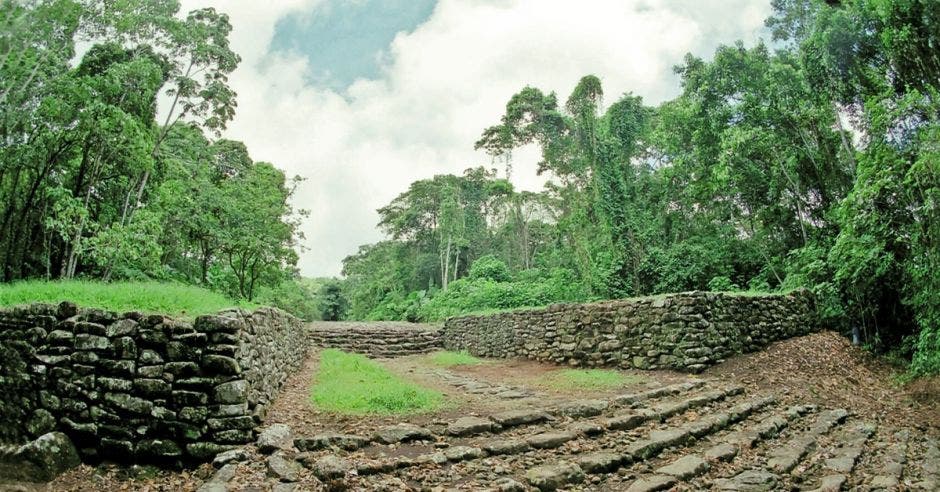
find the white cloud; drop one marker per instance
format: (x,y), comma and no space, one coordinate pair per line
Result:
(441,85)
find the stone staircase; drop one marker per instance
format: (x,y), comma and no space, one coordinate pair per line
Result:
(377,340)
(695,435)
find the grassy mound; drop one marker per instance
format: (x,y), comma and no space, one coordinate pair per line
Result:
(451,359)
(587,379)
(354,384)
(149,297)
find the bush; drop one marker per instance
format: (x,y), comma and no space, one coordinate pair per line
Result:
(722,283)
(397,307)
(927,353)
(295,297)
(489,267)
(468,295)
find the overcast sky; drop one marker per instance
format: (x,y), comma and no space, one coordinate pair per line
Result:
(362,97)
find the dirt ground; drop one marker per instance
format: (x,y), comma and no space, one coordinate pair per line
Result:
(293,407)
(824,368)
(821,368)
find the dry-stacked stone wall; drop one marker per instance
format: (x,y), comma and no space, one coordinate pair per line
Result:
(143,388)
(377,339)
(688,331)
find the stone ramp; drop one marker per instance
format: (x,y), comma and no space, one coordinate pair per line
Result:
(689,436)
(376,339)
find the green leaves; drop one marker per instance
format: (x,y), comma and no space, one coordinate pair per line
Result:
(93,186)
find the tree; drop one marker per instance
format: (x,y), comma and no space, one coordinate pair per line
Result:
(333,303)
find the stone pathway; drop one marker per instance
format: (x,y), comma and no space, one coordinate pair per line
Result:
(481,387)
(697,435)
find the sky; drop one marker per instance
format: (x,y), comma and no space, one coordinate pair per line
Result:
(363,97)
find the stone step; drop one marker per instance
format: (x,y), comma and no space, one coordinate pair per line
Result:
(520,420)
(930,466)
(535,444)
(890,467)
(784,458)
(655,442)
(769,427)
(693,463)
(634,399)
(837,468)
(725,447)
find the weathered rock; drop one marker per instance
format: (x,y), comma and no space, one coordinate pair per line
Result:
(787,457)
(122,328)
(212,486)
(438,458)
(600,462)
(402,433)
(652,483)
(882,482)
(832,483)
(468,426)
(220,364)
(86,341)
(283,468)
(204,451)
(626,422)
(507,484)
(128,403)
(721,452)
(586,428)
(159,448)
(231,392)
(505,446)
(685,468)
(551,477)
(41,422)
(550,439)
(519,417)
(230,456)
(463,453)
(748,480)
(331,467)
(583,408)
(41,460)
(274,438)
(347,442)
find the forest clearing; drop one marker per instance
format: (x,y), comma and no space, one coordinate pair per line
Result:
(493,245)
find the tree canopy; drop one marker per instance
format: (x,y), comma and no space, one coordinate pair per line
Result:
(92,185)
(807,160)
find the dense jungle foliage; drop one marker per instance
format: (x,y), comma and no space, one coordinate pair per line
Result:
(811,160)
(93,186)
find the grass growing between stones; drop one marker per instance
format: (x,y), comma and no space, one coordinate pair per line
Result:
(590,379)
(452,359)
(354,384)
(149,297)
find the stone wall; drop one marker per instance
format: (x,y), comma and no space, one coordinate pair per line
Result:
(145,388)
(688,331)
(377,339)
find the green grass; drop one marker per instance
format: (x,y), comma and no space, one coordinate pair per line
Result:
(451,359)
(149,297)
(353,384)
(591,379)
